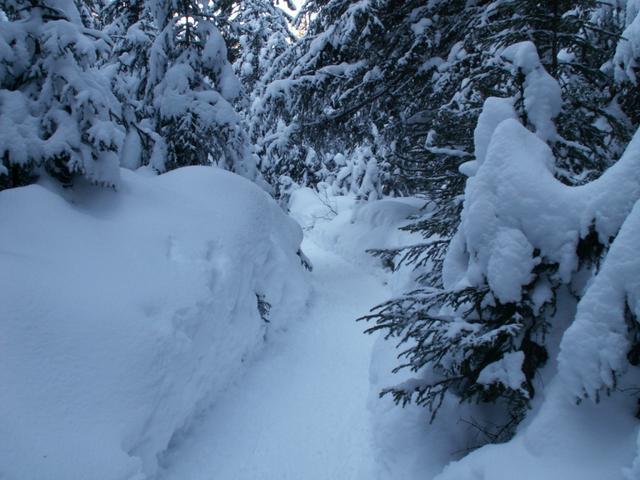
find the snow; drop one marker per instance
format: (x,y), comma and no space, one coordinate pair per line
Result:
(350,227)
(593,354)
(126,313)
(308,407)
(515,215)
(628,48)
(301,412)
(542,93)
(510,265)
(594,349)
(563,441)
(551,216)
(131,151)
(215,53)
(494,112)
(507,370)
(18,129)
(165,373)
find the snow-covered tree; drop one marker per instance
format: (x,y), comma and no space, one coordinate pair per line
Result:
(334,89)
(480,326)
(132,29)
(468,65)
(261,31)
(192,83)
(56,109)
(626,60)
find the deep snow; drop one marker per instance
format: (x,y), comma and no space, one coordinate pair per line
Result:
(145,381)
(301,412)
(309,407)
(123,314)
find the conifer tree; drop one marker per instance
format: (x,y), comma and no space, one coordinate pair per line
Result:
(132,29)
(261,34)
(57,111)
(552,85)
(191,83)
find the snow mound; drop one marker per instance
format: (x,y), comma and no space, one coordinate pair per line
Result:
(563,441)
(350,227)
(124,314)
(503,207)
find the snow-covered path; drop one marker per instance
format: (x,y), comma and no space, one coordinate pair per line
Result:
(300,412)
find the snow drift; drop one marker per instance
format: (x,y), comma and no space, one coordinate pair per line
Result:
(125,313)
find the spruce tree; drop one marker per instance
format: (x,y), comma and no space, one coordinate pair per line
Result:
(260,34)
(192,83)
(57,111)
(569,101)
(131,27)
(343,85)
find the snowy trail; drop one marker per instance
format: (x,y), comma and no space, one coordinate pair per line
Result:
(300,412)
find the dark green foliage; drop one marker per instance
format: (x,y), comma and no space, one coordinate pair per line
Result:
(16,175)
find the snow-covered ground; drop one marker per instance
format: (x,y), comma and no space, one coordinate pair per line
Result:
(123,314)
(309,408)
(169,373)
(301,411)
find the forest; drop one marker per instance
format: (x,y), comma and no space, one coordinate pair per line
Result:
(319,239)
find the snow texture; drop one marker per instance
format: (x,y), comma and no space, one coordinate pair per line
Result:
(301,412)
(628,48)
(542,93)
(513,205)
(507,370)
(594,349)
(125,313)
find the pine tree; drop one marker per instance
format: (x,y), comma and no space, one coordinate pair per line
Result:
(552,86)
(56,110)
(346,83)
(131,27)
(625,62)
(261,33)
(436,135)
(191,84)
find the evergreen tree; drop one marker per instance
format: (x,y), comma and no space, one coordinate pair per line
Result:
(557,89)
(625,62)
(56,110)
(191,83)
(261,33)
(331,91)
(131,27)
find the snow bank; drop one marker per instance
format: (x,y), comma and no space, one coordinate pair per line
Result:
(350,227)
(563,441)
(125,313)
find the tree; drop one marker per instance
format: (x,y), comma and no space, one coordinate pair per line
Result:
(131,27)
(466,334)
(191,84)
(260,35)
(330,91)
(56,110)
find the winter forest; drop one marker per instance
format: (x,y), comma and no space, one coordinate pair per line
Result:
(319,240)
